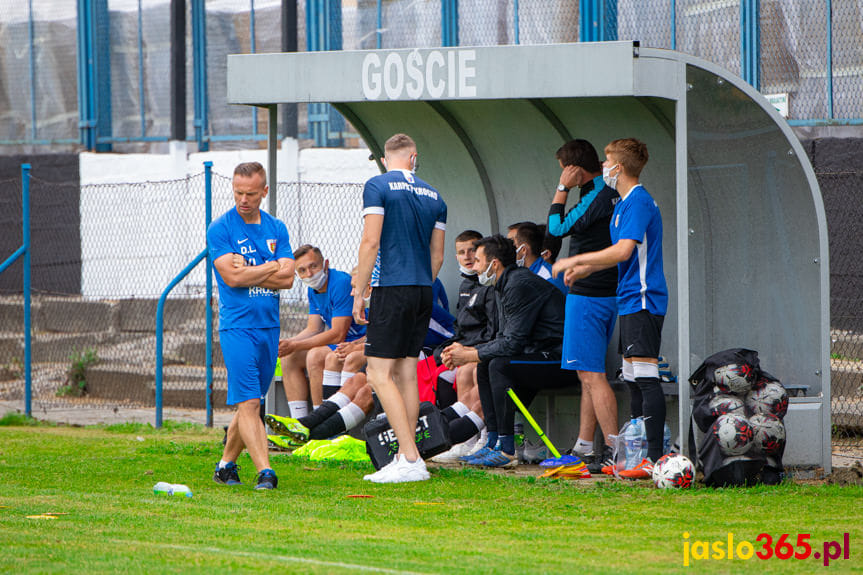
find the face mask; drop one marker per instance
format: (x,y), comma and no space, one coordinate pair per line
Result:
(610,181)
(466,271)
(368,301)
(519,261)
(485,279)
(317,280)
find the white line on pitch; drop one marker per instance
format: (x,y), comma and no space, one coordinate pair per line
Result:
(264,556)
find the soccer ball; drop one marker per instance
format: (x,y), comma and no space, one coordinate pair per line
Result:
(673,471)
(722,404)
(768,397)
(734,378)
(769,433)
(734,434)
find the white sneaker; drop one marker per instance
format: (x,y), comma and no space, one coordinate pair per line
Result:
(480,443)
(370,476)
(452,455)
(401,471)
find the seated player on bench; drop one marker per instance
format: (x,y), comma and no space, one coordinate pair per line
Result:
(525,353)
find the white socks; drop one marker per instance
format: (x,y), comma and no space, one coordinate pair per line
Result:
(299,408)
(460,409)
(352,415)
(643,369)
(476,419)
(339,399)
(332,381)
(345,375)
(583,447)
(628,374)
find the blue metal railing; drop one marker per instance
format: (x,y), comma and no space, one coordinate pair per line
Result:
(160,310)
(24,251)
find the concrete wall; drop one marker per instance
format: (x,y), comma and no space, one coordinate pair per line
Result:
(54,222)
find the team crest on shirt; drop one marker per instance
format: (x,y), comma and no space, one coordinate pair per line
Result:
(271,245)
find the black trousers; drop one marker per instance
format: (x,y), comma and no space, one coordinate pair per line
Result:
(527,375)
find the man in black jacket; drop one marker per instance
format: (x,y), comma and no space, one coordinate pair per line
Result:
(591,305)
(525,353)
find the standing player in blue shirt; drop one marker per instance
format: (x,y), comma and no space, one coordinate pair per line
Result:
(252,255)
(329,323)
(642,295)
(404,221)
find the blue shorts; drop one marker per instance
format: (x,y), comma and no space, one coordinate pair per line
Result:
(587,330)
(250,357)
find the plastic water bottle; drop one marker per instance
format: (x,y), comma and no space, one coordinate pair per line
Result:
(633,443)
(164,488)
(666,440)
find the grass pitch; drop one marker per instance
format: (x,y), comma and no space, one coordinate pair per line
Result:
(98,481)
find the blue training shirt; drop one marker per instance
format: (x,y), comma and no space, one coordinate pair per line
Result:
(543,269)
(248,307)
(412,209)
(337,301)
(641,280)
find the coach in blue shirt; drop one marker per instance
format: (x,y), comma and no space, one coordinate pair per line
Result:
(252,255)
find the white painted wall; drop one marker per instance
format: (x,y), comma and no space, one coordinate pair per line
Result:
(142,215)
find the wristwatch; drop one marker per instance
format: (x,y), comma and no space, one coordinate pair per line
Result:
(562,188)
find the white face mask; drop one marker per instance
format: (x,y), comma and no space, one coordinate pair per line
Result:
(485,279)
(610,181)
(316,281)
(522,249)
(466,271)
(368,301)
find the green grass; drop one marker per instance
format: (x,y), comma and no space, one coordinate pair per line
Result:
(462,521)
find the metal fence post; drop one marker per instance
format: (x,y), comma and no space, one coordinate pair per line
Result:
(25,223)
(208,211)
(515,24)
(199,72)
(449,22)
(750,42)
(829,59)
(31,37)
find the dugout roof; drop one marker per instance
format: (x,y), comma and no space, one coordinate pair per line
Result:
(745,235)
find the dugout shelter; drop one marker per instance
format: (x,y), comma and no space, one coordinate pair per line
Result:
(745,235)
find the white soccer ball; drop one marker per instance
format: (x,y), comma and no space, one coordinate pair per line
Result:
(734,378)
(734,434)
(673,471)
(768,397)
(769,433)
(722,404)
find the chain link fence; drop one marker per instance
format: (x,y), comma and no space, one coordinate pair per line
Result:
(98,278)
(93,315)
(821,80)
(844,207)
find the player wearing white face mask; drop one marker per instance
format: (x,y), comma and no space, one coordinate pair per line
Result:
(329,323)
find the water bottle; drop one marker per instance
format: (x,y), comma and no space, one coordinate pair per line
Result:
(632,442)
(164,488)
(666,440)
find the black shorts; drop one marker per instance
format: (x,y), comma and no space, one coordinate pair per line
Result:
(640,334)
(398,321)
